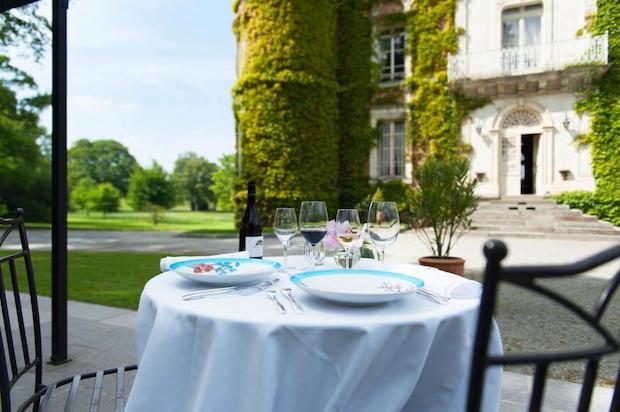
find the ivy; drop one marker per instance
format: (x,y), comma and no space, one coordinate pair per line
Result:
(603,104)
(354,74)
(302,101)
(435,111)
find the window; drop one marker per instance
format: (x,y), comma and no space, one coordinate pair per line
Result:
(392,55)
(392,149)
(521,26)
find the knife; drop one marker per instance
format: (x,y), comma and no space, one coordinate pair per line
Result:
(241,289)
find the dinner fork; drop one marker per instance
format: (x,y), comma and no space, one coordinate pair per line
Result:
(274,298)
(287,293)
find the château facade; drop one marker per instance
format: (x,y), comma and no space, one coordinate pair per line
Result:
(528,62)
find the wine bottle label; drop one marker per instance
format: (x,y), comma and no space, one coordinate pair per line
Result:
(254,246)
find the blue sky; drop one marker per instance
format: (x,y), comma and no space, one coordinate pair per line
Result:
(153,74)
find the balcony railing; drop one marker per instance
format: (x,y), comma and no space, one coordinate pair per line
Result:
(527,60)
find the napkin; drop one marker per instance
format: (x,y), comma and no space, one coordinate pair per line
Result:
(164,263)
(465,290)
(443,283)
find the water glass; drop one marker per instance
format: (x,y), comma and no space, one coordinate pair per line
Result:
(285,227)
(383,226)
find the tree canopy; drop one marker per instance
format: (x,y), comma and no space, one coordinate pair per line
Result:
(151,190)
(193,177)
(224,182)
(104,161)
(24,171)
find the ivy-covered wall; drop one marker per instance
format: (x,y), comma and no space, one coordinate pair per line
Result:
(302,101)
(354,73)
(435,112)
(603,104)
(286,102)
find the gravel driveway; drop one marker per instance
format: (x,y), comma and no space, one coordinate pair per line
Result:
(528,322)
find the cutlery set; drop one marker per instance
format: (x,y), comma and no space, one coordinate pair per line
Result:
(250,289)
(287,295)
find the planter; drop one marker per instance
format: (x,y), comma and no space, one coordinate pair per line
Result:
(449,264)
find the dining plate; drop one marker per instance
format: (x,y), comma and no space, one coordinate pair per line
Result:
(225,271)
(357,287)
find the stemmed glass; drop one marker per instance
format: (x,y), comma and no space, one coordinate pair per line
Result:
(313,224)
(348,230)
(383,226)
(285,227)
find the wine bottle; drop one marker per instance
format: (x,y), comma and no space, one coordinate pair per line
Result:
(251,230)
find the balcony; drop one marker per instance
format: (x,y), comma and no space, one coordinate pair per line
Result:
(559,66)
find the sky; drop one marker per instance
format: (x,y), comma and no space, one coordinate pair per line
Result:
(155,75)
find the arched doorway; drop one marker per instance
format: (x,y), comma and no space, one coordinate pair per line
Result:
(523,158)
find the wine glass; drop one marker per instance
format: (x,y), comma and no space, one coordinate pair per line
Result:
(383,226)
(313,223)
(348,229)
(285,227)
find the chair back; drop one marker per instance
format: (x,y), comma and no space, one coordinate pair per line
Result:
(16,356)
(526,277)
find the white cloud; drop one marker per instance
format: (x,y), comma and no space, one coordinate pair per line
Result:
(94,104)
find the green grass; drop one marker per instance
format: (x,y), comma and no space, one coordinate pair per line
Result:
(184,221)
(106,278)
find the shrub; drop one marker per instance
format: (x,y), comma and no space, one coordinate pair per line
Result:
(395,191)
(105,198)
(598,203)
(579,199)
(443,202)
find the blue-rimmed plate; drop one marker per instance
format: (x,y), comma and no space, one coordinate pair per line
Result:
(357,287)
(225,271)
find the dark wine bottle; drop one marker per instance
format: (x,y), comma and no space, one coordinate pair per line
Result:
(251,229)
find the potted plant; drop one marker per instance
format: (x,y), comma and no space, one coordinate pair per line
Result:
(442,207)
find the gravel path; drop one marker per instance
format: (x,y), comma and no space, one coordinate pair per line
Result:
(528,322)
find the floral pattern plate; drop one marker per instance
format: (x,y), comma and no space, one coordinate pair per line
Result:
(357,287)
(225,271)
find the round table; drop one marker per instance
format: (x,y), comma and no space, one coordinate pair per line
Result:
(237,353)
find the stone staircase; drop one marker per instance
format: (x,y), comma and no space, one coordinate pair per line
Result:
(535,217)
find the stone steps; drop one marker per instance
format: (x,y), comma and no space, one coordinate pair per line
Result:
(533,217)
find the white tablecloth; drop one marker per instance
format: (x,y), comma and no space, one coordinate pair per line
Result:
(237,353)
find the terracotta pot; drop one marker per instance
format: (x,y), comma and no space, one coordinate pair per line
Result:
(450,264)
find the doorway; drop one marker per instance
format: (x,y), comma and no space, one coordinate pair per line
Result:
(529,147)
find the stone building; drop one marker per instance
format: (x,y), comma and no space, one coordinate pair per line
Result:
(528,60)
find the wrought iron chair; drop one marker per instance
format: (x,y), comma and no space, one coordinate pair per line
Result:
(525,277)
(11,369)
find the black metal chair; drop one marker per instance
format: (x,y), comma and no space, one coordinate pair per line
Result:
(11,369)
(525,277)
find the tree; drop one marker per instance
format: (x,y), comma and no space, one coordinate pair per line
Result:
(24,171)
(151,190)
(81,194)
(193,178)
(223,182)
(104,161)
(105,198)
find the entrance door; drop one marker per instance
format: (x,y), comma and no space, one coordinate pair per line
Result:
(528,166)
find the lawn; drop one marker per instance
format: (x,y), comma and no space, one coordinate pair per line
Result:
(105,278)
(183,221)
